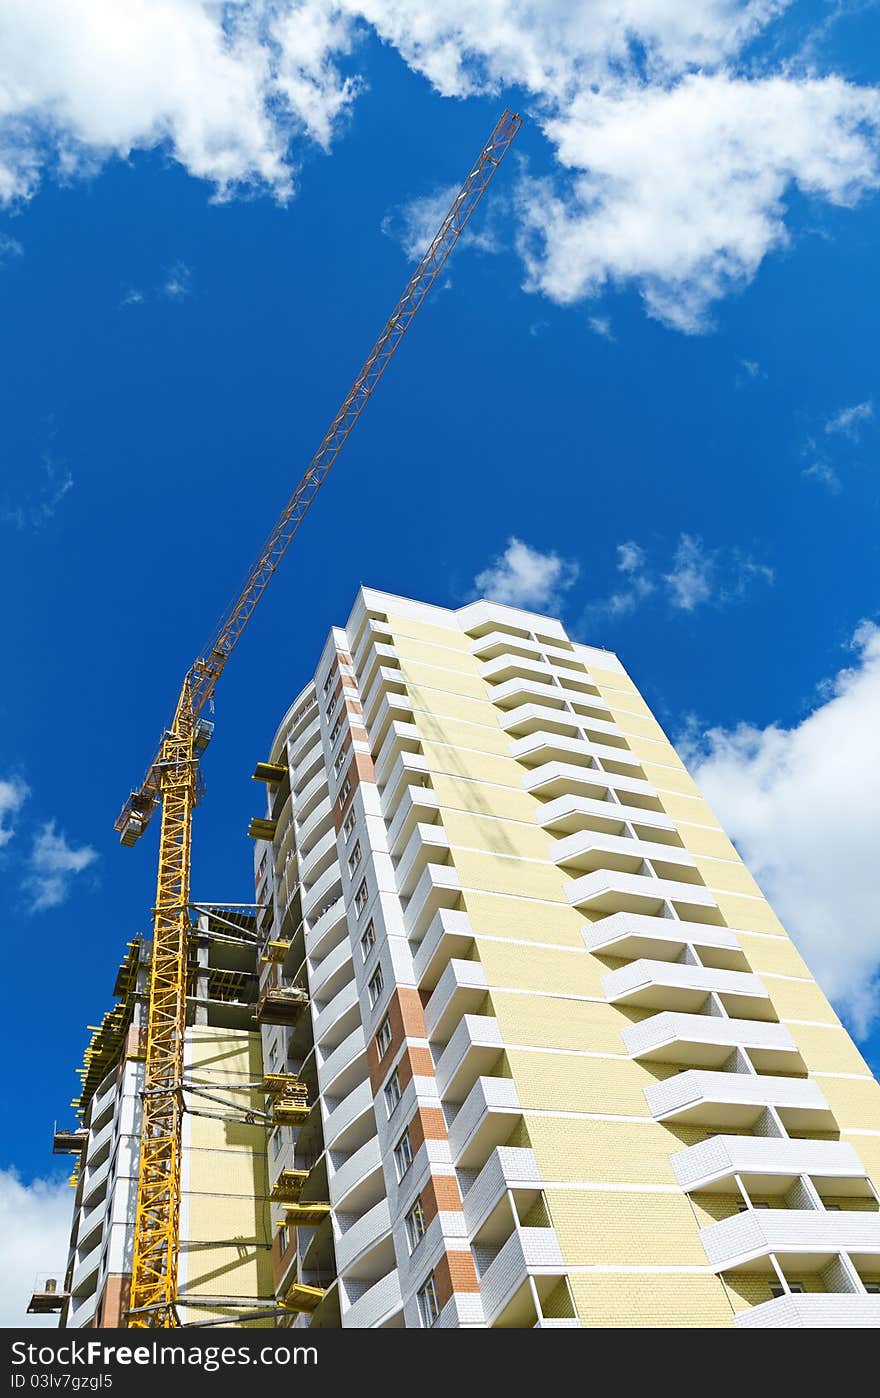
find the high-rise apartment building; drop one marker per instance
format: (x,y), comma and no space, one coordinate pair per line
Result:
(540,1052)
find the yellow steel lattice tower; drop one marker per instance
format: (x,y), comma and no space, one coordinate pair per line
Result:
(172,781)
(157,1224)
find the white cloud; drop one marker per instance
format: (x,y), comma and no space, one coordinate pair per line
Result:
(34,1237)
(53,865)
(823,472)
(849,421)
(132,297)
(803,805)
(414,224)
(695,577)
(675,165)
(690,582)
(35,1224)
(178,283)
(525,577)
(9,247)
(601,325)
(13,794)
(681,190)
(42,504)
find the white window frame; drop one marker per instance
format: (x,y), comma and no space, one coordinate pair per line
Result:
(384,1036)
(403,1155)
(429,1306)
(416,1227)
(368,940)
(361,897)
(348,824)
(375,986)
(393,1093)
(354,859)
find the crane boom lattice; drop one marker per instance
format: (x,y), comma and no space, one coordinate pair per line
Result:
(172,781)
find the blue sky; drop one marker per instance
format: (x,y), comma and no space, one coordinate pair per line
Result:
(654,366)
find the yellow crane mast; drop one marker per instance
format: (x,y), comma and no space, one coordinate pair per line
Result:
(173,782)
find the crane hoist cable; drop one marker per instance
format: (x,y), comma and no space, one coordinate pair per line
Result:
(173,783)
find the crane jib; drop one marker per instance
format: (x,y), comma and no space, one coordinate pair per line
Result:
(172,783)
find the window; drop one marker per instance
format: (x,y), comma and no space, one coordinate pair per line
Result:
(742,1206)
(336,730)
(403,1156)
(777,1289)
(360,898)
(416,1227)
(368,940)
(339,760)
(872,1288)
(392,1091)
(345,791)
(429,1306)
(348,824)
(354,858)
(283,1239)
(328,682)
(276,1142)
(383,1037)
(374,987)
(334,697)
(273,1056)
(833,1208)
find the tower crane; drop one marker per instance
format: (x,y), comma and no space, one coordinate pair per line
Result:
(172,782)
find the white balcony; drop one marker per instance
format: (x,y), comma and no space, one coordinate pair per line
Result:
(401,737)
(813,1311)
(702,1098)
(392,708)
(472,1051)
(541,718)
(541,747)
(528,1251)
(707,1041)
(344,1114)
(304,800)
(515,692)
(361,1174)
(607,891)
(675,985)
(298,747)
(86,1270)
(330,974)
(565,815)
(321,816)
(438,887)
(409,769)
(326,927)
(342,1065)
(427,843)
(342,1003)
(322,854)
(376,1305)
(460,990)
(417,804)
(485,1120)
(320,890)
(508,1167)
(450,934)
(636,935)
(366,1233)
(495,643)
(770,1163)
(811,1236)
(588,850)
(554,779)
(95,1181)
